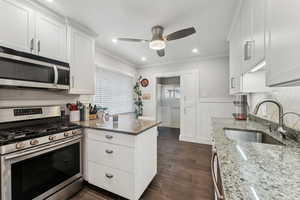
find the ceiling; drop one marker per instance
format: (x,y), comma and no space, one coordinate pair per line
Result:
(134,18)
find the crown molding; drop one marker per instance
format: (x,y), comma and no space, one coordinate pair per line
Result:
(184,60)
(111,55)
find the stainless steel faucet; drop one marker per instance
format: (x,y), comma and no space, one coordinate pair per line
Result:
(280,117)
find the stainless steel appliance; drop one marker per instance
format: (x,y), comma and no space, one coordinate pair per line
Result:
(20,69)
(241,107)
(40,154)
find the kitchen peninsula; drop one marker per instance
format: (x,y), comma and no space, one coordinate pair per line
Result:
(120,157)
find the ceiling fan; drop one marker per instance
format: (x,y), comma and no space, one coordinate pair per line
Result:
(158,41)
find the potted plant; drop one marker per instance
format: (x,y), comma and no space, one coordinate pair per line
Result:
(138,98)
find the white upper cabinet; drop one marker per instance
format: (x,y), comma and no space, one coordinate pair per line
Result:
(283,42)
(247,48)
(51,38)
(258,30)
(25,29)
(17,26)
(235,59)
(247,38)
(82,64)
(253,33)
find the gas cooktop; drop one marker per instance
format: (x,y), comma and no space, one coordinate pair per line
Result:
(25,132)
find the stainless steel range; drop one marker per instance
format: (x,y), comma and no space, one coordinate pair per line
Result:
(40,154)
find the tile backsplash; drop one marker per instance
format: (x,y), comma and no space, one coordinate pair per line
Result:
(289,97)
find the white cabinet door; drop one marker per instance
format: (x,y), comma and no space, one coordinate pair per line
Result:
(17,26)
(82,50)
(235,59)
(247,39)
(51,37)
(258,10)
(189,85)
(283,33)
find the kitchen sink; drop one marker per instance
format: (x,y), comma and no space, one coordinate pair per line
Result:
(250,136)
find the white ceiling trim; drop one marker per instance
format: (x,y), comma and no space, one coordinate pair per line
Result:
(185,60)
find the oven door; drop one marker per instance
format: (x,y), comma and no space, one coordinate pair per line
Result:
(40,172)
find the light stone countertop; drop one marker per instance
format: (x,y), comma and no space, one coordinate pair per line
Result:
(127,124)
(255,171)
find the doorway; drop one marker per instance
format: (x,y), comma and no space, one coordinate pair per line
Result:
(168,101)
(175,102)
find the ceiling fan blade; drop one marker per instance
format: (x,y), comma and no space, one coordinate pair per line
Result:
(181,34)
(132,40)
(161,52)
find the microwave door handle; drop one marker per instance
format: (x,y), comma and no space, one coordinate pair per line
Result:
(55,74)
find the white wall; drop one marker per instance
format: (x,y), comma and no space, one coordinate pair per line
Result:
(214,90)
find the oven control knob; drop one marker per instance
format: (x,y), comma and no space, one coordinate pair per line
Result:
(66,134)
(20,145)
(52,137)
(34,142)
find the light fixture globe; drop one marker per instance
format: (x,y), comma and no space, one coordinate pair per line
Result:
(157,44)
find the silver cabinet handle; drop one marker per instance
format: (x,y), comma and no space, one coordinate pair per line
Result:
(232,83)
(73,81)
(32,45)
(109,137)
(39,46)
(219,195)
(248,50)
(55,75)
(110,176)
(109,151)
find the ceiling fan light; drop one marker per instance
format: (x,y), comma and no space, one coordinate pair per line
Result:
(157,44)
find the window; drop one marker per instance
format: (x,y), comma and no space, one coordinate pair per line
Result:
(114,91)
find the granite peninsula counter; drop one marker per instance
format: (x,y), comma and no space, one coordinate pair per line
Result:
(255,171)
(126,124)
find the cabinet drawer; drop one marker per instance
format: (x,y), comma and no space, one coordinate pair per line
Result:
(113,180)
(110,137)
(116,156)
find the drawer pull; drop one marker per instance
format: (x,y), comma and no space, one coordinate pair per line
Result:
(109,137)
(109,151)
(110,176)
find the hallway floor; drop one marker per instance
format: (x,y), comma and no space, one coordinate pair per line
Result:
(183,172)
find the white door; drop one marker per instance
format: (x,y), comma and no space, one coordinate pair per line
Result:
(189,84)
(82,50)
(51,38)
(16,26)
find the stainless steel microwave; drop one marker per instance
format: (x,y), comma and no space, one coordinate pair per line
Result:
(20,69)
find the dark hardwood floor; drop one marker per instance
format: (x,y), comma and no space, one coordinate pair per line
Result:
(183,172)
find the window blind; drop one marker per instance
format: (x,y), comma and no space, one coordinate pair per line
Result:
(114,91)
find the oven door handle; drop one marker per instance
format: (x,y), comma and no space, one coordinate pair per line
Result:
(39,149)
(213,173)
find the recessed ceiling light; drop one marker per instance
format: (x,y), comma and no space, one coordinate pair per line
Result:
(114,40)
(143,58)
(195,50)
(50,1)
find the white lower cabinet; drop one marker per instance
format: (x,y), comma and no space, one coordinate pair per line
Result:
(120,163)
(111,179)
